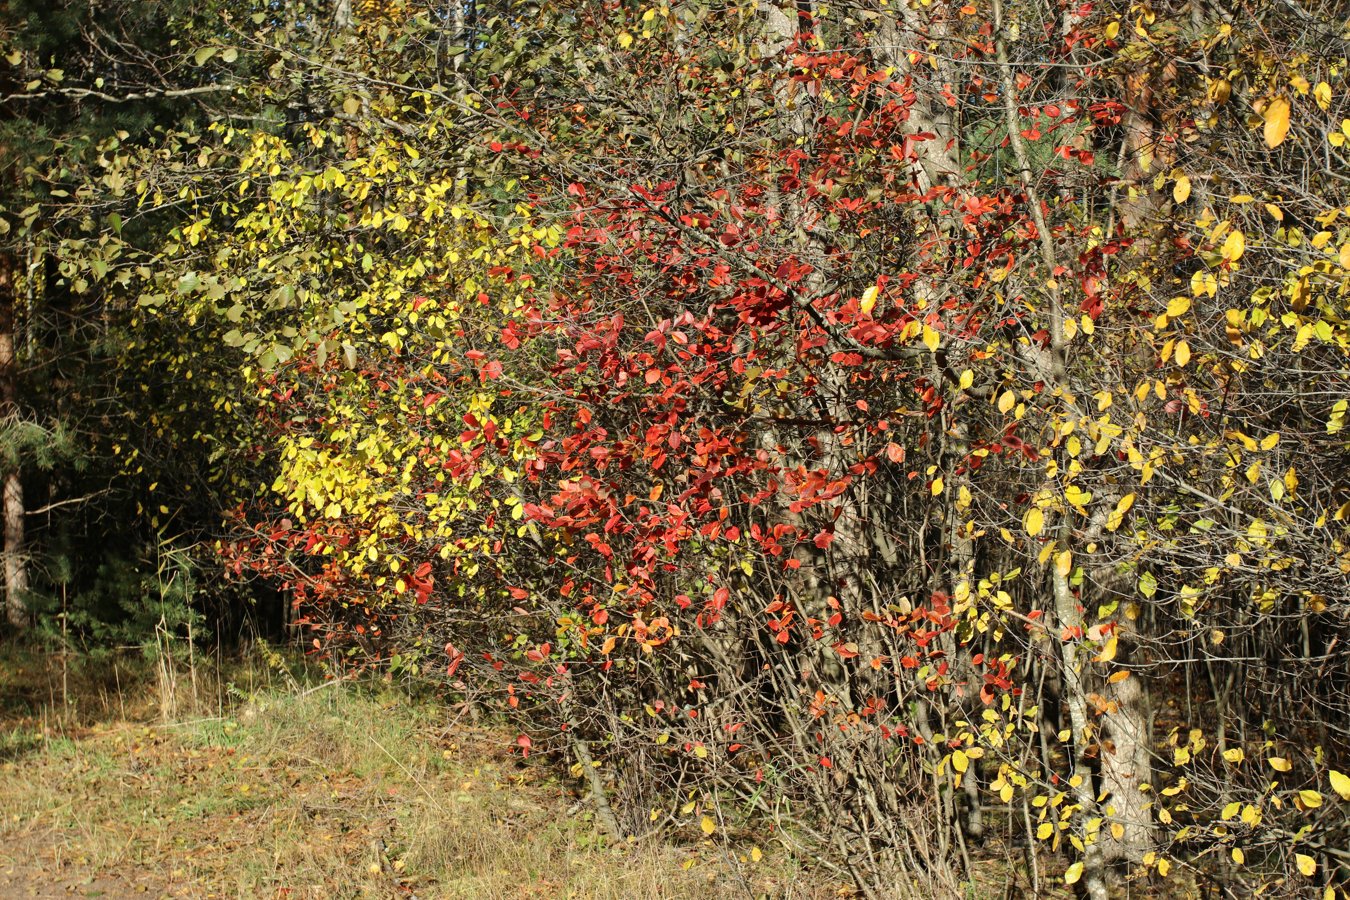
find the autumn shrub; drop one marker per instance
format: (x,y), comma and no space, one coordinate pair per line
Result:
(840,423)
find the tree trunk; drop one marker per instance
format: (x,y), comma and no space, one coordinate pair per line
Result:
(16,565)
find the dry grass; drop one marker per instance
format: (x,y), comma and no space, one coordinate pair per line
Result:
(349,790)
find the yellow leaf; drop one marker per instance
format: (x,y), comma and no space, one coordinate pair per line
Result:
(1034,521)
(1310,799)
(1230,811)
(625,40)
(1109,651)
(937,486)
(869,300)
(1340,783)
(1112,29)
(1007,399)
(1182,353)
(1182,189)
(1118,514)
(1064,562)
(1322,94)
(1073,873)
(960,762)
(1164,866)
(1233,246)
(1306,864)
(1276,115)
(930,339)
(1044,830)
(1233,755)
(1077,496)
(1178,306)
(756,854)
(708,825)
(1238,856)
(1279,764)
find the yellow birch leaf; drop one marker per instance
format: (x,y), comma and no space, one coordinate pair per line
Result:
(1109,651)
(1044,830)
(1238,856)
(1276,128)
(1322,94)
(1034,521)
(1340,783)
(930,339)
(1182,353)
(756,854)
(960,762)
(1117,516)
(1177,306)
(1279,764)
(1182,189)
(625,40)
(708,825)
(937,486)
(869,300)
(1310,799)
(1064,562)
(1306,864)
(1233,246)
(1073,873)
